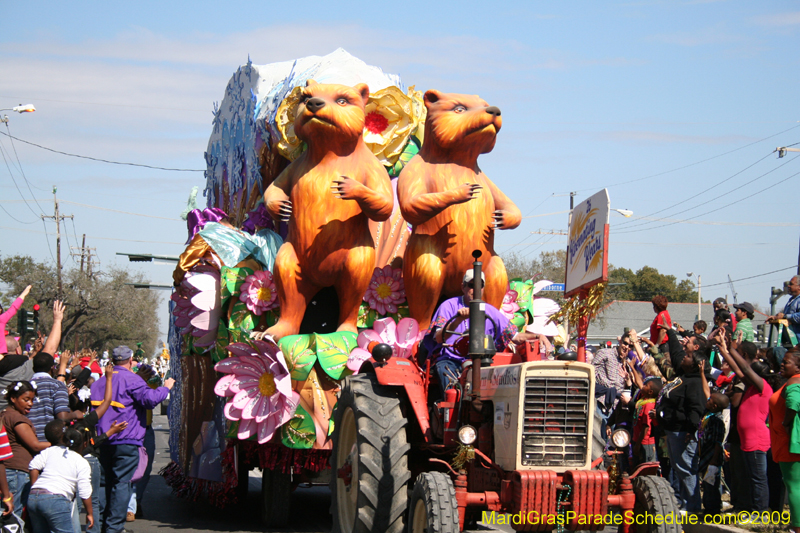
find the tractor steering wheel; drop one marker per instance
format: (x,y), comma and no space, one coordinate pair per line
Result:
(461,343)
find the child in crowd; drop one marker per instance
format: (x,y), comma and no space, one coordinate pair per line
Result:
(92,442)
(644,443)
(710,445)
(58,474)
(23,440)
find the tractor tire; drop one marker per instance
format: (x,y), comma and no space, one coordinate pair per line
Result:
(655,496)
(276,492)
(433,507)
(369,482)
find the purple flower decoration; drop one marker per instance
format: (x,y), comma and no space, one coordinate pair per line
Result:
(260,386)
(197,305)
(386,290)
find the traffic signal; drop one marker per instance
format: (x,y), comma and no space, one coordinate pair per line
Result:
(35,317)
(761,332)
(26,323)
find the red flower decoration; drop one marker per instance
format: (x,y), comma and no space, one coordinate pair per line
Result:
(376,123)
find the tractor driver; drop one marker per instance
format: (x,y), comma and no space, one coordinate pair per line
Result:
(447,359)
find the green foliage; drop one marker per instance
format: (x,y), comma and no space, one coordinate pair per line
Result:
(333,350)
(103,309)
(298,350)
(641,285)
(299,432)
(646,283)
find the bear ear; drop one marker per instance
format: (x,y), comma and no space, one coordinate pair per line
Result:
(309,83)
(363,89)
(432,96)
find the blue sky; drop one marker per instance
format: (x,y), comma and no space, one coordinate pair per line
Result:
(593,94)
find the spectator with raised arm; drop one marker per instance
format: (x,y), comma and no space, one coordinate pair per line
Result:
(7,315)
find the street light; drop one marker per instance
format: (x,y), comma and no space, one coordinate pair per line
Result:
(689,275)
(27,108)
(627,213)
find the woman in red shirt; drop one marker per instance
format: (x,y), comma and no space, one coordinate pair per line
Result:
(662,322)
(783,407)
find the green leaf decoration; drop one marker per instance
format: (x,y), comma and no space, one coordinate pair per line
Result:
(299,432)
(524,294)
(411,149)
(242,318)
(366,316)
(237,335)
(219,351)
(233,429)
(298,350)
(333,349)
(231,280)
(272,316)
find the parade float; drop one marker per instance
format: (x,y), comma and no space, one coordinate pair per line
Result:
(322,235)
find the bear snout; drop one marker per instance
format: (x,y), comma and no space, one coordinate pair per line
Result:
(493,110)
(315,104)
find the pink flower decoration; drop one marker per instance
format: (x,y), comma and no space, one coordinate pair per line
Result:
(197,305)
(402,337)
(259,293)
(261,387)
(510,305)
(386,290)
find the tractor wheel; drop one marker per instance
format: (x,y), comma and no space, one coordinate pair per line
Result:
(433,507)
(370,475)
(276,491)
(654,496)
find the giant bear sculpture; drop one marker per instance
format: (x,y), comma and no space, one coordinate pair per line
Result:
(328,195)
(453,207)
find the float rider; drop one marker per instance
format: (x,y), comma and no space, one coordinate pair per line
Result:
(447,358)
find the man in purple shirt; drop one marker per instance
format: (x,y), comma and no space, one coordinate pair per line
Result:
(447,362)
(119,457)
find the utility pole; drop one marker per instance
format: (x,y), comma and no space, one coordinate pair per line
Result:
(57,218)
(83,247)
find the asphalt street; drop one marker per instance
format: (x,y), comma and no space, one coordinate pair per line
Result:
(310,506)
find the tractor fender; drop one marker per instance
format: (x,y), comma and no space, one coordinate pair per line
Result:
(401,372)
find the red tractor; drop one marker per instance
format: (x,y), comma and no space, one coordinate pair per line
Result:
(515,447)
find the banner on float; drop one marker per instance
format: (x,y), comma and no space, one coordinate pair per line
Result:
(587,244)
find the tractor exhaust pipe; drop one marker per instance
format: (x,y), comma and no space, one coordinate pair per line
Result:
(477,330)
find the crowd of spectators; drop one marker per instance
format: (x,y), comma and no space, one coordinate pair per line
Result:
(74,428)
(717,411)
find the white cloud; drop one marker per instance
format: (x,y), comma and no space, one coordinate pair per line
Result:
(780,20)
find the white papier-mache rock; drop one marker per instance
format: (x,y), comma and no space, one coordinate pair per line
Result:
(243,121)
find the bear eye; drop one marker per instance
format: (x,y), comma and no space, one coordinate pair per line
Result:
(304,98)
(459,108)
(341,101)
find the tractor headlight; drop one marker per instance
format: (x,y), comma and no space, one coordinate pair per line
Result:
(467,435)
(621,438)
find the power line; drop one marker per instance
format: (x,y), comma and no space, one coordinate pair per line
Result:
(118,211)
(15,218)
(703,204)
(751,277)
(699,162)
(706,190)
(3,152)
(93,237)
(19,164)
(102,160)
(717,209)
(49,249)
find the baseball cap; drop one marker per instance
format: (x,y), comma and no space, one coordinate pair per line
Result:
(469,274)
(720,301)
(745,306)
(122,353)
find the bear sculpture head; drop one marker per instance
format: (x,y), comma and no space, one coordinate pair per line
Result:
(459,125)
(331,115)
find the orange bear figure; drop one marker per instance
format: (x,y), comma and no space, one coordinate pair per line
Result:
(453,207)
(328,195)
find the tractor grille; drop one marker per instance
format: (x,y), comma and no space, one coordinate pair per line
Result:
(556,422)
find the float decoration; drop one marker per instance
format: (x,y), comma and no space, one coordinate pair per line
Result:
(576,307)
(197,306)
(386,290)
(259,384)
(298,350)
(402,337)
(258,292)
(510,305)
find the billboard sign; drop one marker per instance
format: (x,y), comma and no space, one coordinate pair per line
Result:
(587,244)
